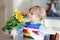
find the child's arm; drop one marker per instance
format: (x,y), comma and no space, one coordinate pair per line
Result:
(19,31)
(40,35)
(36,37)
(41,32)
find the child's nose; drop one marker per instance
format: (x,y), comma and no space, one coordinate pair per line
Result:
(31,13)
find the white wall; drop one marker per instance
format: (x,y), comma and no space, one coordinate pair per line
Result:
(40,2)
(58,6)
(26,4)
(52,25)
(2,14)
(8,8)
(22,4)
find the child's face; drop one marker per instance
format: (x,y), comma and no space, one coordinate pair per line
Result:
(33,12)
(33,16)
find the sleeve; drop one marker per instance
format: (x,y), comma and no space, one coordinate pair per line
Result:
(41,32)
(36,37)
(19,31)
(40,35)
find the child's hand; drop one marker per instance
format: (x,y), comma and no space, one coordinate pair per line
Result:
(25,12)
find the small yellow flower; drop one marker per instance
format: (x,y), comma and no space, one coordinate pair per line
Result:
(18,15)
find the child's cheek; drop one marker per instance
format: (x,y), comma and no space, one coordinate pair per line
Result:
(33,17)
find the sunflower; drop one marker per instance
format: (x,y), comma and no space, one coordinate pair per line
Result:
(18,15)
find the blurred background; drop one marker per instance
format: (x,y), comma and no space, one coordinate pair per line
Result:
(52,7)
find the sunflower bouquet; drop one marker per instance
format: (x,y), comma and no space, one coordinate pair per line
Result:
(16,21)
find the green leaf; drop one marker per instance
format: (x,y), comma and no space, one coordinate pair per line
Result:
(13,23)
(20,25)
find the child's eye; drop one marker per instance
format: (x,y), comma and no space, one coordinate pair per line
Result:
(31,13)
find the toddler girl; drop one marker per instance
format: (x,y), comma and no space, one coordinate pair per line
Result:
(35,24)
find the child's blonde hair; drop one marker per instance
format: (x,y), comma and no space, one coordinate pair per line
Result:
(41,12)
